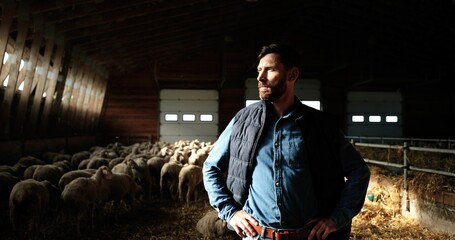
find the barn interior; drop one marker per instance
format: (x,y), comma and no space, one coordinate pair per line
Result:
(83,73)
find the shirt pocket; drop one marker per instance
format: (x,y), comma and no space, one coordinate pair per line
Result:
(296,154)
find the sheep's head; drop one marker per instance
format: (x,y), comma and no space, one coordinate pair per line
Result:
(103,172)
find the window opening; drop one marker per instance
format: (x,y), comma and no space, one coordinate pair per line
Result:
(374,118)
(358,118)
(206,117)
(171,117)
(391,119)
(189,117)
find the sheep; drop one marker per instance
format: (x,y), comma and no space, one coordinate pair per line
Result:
(77,158)
(84,195)
(190,178)
(61,157)
(7,182)
(96,162)
(169,178)
(64,165)
(30,160)
(71,175)
(155,164)
(48,172)
(115,161)
(123,188)
(83,164)
(28,173)
(142,176)
(17,169)
(29,203)
(126,167)
(211,226)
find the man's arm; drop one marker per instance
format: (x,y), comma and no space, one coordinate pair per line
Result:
(214,169)
(357,174)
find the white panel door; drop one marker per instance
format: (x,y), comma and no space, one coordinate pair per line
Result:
(188,115)
(374,114)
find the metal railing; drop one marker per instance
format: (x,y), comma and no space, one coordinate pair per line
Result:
(405,166)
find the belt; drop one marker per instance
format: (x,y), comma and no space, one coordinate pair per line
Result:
(284,234)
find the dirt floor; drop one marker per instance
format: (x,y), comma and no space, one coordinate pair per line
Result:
(160,219)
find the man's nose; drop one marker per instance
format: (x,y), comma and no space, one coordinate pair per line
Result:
(261,76)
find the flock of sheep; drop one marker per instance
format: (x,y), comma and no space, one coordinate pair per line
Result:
(76,188)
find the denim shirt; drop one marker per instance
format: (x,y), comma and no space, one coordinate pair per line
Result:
(278,197)
(281,193)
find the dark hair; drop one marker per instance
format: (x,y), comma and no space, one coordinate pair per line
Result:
(288,56)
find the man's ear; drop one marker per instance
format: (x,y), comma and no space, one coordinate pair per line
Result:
(293,74)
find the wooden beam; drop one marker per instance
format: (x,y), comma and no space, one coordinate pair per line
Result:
(50,91)
(29,74)
(8,12)
(38,97)
(15,58)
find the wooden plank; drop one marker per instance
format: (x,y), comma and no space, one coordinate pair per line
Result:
(38,98)
(16,57)
(29,73)
(69,83)
(50,91)
(9,10)
(81,98)
(100,101)
(86,103)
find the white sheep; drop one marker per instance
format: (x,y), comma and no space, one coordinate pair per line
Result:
(115,161)
(169,178)
(83,196)
(190,179)
(126,167)
(211,226)
(29,202)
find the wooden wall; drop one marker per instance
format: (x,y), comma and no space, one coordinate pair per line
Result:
(46,90)
(132,107)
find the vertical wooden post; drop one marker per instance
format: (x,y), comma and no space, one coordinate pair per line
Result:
(50,91)
(99,103)
(75,94)
(8,12)
(68,89)
(87,100)
(29,74)
(16,57)
(38,97)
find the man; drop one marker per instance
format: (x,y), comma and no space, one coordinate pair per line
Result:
(290,172)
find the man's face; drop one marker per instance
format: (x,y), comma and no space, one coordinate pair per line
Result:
(272,77)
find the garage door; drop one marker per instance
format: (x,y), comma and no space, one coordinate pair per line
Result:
(188,115)
(374,114)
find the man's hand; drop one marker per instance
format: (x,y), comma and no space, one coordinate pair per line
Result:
(242,222)
(322,228)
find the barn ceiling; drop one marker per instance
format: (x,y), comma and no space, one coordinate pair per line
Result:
(380,36)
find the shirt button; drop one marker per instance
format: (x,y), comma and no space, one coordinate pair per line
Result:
(276,164)
(277,184)
(276,144)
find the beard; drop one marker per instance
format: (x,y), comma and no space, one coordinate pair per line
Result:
(273,91)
